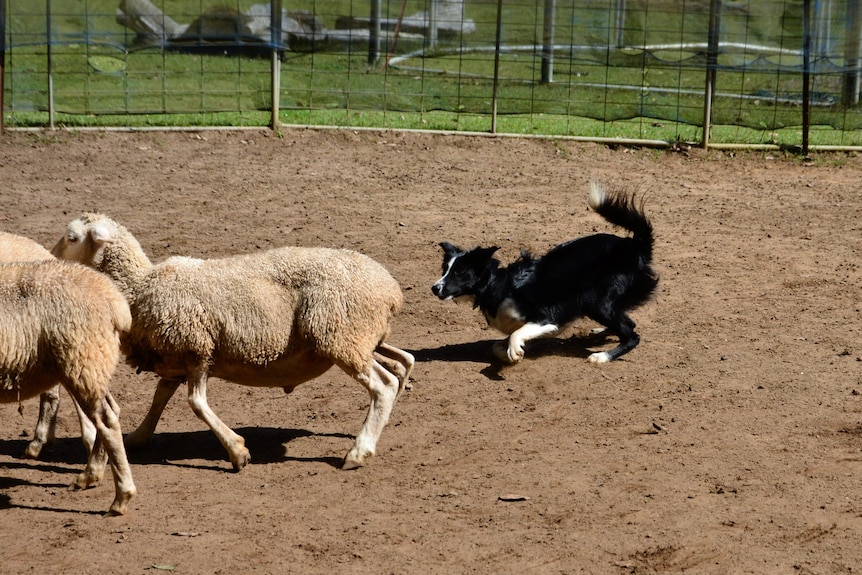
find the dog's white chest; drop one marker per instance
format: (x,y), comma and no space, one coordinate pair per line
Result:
(507,319)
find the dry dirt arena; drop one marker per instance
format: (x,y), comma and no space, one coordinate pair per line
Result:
(729,441)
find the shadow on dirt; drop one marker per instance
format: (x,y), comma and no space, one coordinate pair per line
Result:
(63,450)
(480,351)
(41,466)
(6,503)
(266,444)
(575,346)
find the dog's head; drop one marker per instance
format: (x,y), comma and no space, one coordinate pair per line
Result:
(464,272)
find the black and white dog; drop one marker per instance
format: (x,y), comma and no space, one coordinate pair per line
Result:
(601,277)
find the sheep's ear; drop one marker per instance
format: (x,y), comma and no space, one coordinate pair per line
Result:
(101,235)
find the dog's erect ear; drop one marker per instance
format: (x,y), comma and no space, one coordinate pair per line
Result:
(450,249)
(486,253)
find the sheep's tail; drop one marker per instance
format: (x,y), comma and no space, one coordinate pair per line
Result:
(621,209)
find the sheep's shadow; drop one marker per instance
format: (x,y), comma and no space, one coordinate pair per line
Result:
(38,465)
(481,351)
(10,482)
(266,444)
(6,503)
(66,450)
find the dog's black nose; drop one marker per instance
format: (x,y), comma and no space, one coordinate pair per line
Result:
(436,289)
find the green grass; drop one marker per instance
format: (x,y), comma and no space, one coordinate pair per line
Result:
(628,94)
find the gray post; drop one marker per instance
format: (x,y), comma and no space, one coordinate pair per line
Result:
(806,73)
(711,66)
(853,30)
(620,23)
(276,39)
(50,64)
(548,41)
(822,26)
(374,34)
(2,62)
(497,42)
(433,24)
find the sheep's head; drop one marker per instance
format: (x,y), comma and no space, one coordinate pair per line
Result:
(85,240)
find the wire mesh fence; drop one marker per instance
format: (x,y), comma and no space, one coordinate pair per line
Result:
(730,71)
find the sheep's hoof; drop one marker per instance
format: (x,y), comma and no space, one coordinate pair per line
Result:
(34,449)
(120,504)
(351,464)
(353,460)
(136,439)
(85,480)
(242,459)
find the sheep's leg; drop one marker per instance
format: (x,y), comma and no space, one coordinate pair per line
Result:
(109,440)
(144,432)
(403,363)
(97,455)
(49,404)
(232,442)
(383,387)
(95,469)
(88,430)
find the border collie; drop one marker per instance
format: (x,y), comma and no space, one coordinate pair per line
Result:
(601,276)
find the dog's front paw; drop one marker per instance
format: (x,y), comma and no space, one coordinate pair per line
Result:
(601,357)
(506,353)
(516,353)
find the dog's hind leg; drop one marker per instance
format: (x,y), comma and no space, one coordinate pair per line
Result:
(514,351)
(624,328)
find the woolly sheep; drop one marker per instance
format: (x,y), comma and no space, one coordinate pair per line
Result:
(62,322)
(15,248)
(276,318)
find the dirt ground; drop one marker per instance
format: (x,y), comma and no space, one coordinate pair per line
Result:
(729,441)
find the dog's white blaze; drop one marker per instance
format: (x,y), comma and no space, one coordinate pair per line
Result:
(439,283)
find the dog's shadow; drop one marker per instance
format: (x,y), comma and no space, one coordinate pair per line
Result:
(576,345)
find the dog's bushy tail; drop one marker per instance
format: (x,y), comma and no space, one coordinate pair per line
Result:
(621,210)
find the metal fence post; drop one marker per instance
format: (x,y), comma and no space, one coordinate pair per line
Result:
(711,66)
(50,64)
(2,64)
(497,42)
(276,31)
(548,41)
(374,33)
(806,73)
(853,35)
(620,24)
(433,23)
